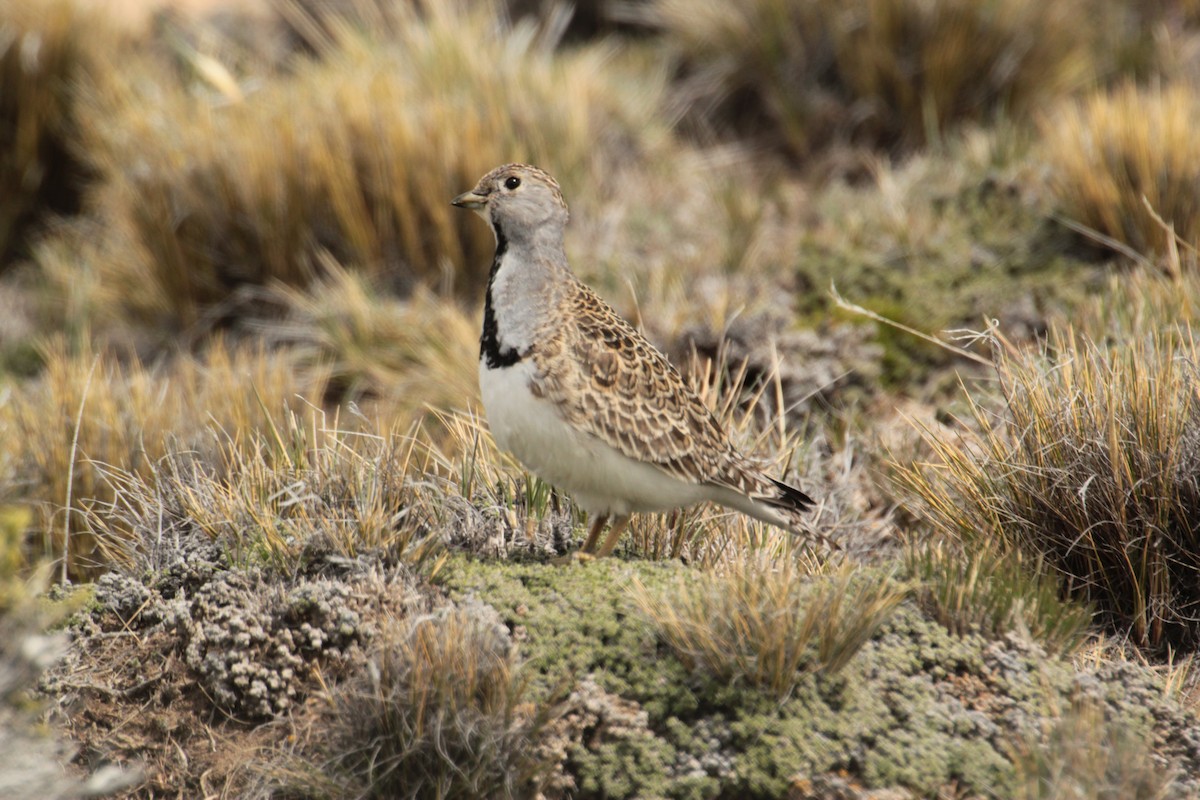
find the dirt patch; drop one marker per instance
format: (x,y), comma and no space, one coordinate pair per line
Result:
(127,697)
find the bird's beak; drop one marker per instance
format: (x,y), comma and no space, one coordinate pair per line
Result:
(472,200)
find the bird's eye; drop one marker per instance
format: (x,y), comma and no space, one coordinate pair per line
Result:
(512,183)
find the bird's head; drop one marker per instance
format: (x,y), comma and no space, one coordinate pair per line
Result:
(518,201)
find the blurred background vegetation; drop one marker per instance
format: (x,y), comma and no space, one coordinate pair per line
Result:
(232,287)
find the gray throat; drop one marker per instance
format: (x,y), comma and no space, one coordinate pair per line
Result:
(525,280)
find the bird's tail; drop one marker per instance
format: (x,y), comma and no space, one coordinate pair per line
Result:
(788,498)
(768,500)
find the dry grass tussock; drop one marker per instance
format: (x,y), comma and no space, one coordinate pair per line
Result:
(440,711)
(45,48)
(1092,463)
(766,620)
(88,415)
(990,591)
(1122,156)
(302,484)
(355,154)
(885,72)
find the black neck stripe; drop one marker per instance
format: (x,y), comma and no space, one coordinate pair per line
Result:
(489,343)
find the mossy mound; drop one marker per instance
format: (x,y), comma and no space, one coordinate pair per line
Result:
(939,245)
(918,708)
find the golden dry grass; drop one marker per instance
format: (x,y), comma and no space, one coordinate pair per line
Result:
(303,484)
(355,154)
(1116,152)
(1141,301)
(412,354)
(89,414)
(45,48)
(767,620)
(1092,462)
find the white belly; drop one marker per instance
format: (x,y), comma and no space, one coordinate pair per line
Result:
(599,478)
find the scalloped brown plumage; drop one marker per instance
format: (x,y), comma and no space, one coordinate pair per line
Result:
(580,396)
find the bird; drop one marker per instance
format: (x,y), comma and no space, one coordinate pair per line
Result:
(580,397)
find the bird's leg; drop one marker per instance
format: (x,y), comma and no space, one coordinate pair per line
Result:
(594,533)
(614,533)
